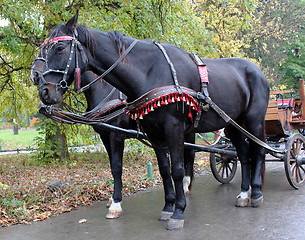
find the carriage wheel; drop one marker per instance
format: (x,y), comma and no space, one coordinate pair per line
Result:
(295,160)
(302,131)
(223,167)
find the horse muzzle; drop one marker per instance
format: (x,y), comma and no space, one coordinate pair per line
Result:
(49,94)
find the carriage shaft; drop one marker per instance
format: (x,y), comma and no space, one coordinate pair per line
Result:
(140,135)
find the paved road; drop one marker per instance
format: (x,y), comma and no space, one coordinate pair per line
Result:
(210,214)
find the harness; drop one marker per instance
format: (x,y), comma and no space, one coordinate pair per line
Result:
(149,101)
(141,106)
(49,43)
(170,94)
(160,97)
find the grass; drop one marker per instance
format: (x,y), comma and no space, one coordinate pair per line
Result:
(24,139)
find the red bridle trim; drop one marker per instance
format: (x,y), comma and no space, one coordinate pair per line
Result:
(55,40)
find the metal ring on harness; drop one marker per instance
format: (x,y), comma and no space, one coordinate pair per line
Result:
(62,84)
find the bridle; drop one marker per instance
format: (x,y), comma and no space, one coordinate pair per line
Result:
(50,43)
(76,47)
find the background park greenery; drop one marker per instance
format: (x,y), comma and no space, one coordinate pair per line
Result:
(269,33)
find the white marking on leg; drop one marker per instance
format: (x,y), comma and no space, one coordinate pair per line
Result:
(243,198)
(186,184)
(244,194)
(116,207)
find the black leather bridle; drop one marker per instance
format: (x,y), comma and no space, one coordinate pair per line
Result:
(49,43)
(45,47)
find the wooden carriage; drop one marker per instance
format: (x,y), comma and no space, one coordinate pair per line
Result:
(283,115)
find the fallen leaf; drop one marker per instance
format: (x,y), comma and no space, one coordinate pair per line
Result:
(82,221)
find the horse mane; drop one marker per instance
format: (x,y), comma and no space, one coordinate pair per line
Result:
(118,39)
(88,39)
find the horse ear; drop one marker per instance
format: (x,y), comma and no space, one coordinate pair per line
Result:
(72,23)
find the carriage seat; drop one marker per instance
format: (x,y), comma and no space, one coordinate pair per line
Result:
(283,103)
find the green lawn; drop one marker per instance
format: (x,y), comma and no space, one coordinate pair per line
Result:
(23,140)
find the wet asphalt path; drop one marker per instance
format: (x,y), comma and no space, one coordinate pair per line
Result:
(210,214)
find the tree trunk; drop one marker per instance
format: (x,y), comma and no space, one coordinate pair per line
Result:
(15,127)
(59,145)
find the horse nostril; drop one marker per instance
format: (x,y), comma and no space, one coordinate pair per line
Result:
(36,75)
(45,93)
(36,78)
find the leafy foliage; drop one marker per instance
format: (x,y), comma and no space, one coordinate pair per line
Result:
(294,65)
(225,21)
(275,26)
(50,147)
(260,30)
(31,21)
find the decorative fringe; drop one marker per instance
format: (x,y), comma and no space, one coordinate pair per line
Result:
(164,100)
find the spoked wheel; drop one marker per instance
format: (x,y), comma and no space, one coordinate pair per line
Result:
(302,131)
(223,167)
(295,160)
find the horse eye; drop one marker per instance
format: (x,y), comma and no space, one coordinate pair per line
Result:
(60,48)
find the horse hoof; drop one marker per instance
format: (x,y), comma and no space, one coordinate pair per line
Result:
(113,214)
(175,224)
(115,210)
(257,202)
(165,216)
(243,199)
(242,202)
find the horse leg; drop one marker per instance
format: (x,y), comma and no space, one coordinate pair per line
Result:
(242,149)
(114,145)
(175,139)
(164,168)
(257,156)
(189,156)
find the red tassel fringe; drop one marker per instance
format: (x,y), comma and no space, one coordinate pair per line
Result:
(163,101)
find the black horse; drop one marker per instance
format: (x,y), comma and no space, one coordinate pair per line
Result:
(236,85)
(114,142)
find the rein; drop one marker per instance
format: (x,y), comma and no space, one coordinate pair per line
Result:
(111,67)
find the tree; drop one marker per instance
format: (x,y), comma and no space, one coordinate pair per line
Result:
(31,21)
(294,65)
(225,21)
(275,24)
(18,43)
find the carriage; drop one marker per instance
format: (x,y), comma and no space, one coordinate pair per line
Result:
(284,116)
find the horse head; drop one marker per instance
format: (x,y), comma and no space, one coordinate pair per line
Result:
(60,60)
